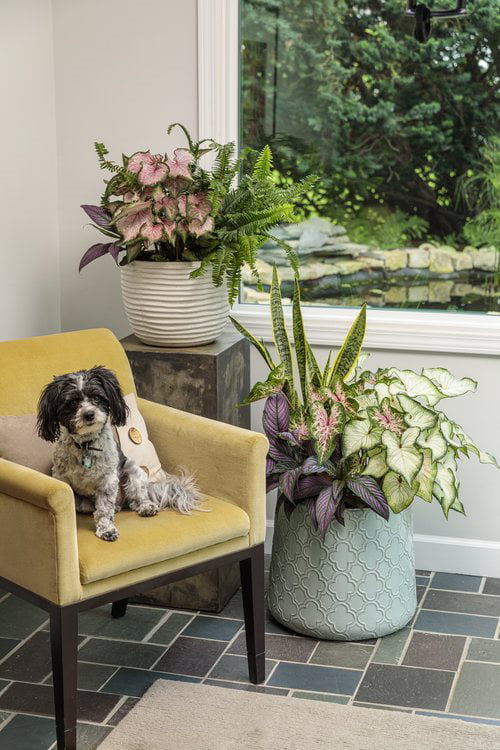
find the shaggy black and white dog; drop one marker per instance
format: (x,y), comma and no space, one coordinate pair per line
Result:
(78,410)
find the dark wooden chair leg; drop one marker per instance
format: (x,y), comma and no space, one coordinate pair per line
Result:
(252,585)
(64,644)
(119,608)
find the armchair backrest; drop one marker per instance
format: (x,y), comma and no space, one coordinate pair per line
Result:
(26,365)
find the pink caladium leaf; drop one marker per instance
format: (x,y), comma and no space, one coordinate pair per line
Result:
(98,214)
(198,227)
(368,490)
(389,419)
(176,185)
(131,218)
(179,165)
(324,426)
(150,169)
(98,250)
(169,227)
(152,232)
(170,208)
(276,415)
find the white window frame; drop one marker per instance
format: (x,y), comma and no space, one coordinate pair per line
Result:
(218,118)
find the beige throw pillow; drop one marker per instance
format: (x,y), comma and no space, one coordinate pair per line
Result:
(134,442)
(20,443)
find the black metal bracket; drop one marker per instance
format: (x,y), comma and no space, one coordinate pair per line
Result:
(422,15)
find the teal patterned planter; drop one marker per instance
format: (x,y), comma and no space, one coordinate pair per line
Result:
(358,583)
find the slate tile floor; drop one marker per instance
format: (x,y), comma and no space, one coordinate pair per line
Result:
(446,663)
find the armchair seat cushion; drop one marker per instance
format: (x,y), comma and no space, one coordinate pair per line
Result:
(146,541)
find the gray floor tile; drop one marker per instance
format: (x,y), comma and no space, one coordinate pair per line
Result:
(456,624)
(135,682)
(121,712)
(280,647)
(24,697)
(213,627)
(3,715)
(382,708)
(435,651)
(6,645)
(342,654)
(422,581)
(31,662)
(492,586)
(391,647)
(456,582)
(405,686)
(133,627)
(484,649)
(235,668)
(316,678)
(171,628)
(3,684)
(120,653)
(28,733)
(477,690)
(472,604)
(19,618)
(344,699)
(90,676)
(470,719)
(191,656)
(249,688)
(90,736)
(423,572)
(421,593)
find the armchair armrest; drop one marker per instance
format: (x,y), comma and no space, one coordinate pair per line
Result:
(228,462)
(38,541)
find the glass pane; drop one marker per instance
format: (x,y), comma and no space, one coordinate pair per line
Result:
(403,137)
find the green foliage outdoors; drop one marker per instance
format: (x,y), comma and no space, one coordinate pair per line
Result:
(388,123)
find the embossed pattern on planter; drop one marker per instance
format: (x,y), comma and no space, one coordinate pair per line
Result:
(358,583)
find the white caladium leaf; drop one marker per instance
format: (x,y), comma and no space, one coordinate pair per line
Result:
(382,391)
(416,415)
(449,460)
(414,385)
(458,506)
(446,490)
(467,442)
(399,494)
(487,458)
(447,383)
(359,434)
(449,433)
(376,466)
(424,481)
(402,456)
(433,440)
(366,401)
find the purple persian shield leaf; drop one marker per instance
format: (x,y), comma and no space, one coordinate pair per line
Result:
(312,466)
(96,251)
(278,451)
(276,415)
(288,481)
(327,503)
(98,215)
(367,489)
(290,437)
(272,481)
(310,486)
(270,466)
(311,508)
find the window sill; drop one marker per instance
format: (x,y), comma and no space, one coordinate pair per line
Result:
(400,330)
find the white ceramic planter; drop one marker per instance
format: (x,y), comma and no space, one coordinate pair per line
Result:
(165,307)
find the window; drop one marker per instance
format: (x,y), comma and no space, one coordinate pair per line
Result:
(406,210)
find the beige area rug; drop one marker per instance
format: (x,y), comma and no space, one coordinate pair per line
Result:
(181,716)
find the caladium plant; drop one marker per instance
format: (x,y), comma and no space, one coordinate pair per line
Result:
(160,208)
(343,437)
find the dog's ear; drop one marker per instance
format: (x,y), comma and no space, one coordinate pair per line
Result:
(118,409)
(47,422)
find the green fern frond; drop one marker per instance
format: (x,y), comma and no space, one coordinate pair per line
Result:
(263,164)
(102,152)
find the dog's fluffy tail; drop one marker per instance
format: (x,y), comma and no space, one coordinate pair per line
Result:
(179,492)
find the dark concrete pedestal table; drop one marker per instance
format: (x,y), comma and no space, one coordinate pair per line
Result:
(210,381)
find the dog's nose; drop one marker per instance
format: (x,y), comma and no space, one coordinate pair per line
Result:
(89,416)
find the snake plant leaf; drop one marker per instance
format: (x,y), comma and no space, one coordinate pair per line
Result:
(445,488)
(401,455)
(325,378)
(259,345)
(416,415)
(280,334)
(398,493)
(433,440)
(359,434)
(274,383)
(326,504)
(413,385)
(424,481)
(350,350)
(299,337)
(369,491)
(448,384)
(376,466)
(276,415)
(313,367)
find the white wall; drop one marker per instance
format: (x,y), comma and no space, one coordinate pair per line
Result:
(480,484)
(29,275)
(125,70)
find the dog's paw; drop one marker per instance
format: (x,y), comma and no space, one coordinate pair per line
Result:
(147,509)
(107,534)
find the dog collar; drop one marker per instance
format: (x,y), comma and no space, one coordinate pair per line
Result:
(87,458)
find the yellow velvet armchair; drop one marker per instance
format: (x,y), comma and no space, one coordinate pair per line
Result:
(50,555)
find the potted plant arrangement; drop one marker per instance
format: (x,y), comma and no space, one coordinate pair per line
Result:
(171,222)
(350,450)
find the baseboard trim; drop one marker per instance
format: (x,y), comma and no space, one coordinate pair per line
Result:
(447,554)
